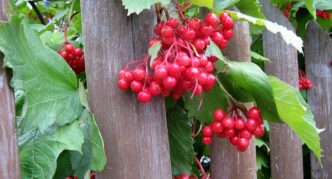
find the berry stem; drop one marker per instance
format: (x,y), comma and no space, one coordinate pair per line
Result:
(201,168)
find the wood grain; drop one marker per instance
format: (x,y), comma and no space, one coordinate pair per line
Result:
(318,55)
(9,165)
(226,161)
(135,135)
(286,146)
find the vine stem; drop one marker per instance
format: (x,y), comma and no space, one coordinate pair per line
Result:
(201,168)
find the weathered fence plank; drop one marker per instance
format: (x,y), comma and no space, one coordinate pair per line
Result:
(318,55)
(135,135)
(9,165)
(286,146)
(226,161)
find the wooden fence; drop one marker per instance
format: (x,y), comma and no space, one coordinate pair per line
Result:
(135,136)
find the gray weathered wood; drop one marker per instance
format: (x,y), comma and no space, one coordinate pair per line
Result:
(318,55)
(286,146)
(135,135)
(9,167)
(226,161)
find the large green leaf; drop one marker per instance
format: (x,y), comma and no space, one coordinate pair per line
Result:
(246,82)
(137,6)
(289,36)
(50,86)
(223,4)
(203,3)
(323,4)
(296,113)
(180,139)
(250,7)
(311,7)
(38,152)
(212,100)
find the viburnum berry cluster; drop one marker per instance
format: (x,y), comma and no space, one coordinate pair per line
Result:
(238,130)
(74,57)
(304,82)
(323,14)
(181,64)
(184,176)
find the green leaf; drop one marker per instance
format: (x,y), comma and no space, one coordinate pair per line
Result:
(289,36)
(323,4)
(203,3)
(260,143)
(250,7)
(261,161)
(212,100)
(311,7)
(38,151)
(223,4)
(153,51)
(138,6)
(246,82)
(180,139)
(258,57)
(296,113)
(64,167)
(50,86)
(213,50)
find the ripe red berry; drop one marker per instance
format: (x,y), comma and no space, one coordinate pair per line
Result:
(195,62)
(254,113)
(259,132)
(194,23)
(207,131)
(206,30)
(70,48)
(209,67)
(78,52)
(136,86)
(242,144)
(199,44)
(202,78)
(251,125)
(123,84)
(226,21)
(155,89)
(230,133)
(167,31)
(189,34)
(144,96)
(203,60)
(183,60)
(172,22)
(184,176)
(139,74)
(211,19)
(207,140)
(239,124)
(158,27)
(234,140)
(160,72)
(228,33)
(128,76)
(219,115)
(217,127)
(245,134)
(169,82)
(228,122)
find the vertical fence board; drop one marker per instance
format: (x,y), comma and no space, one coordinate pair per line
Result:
(226,161)
(286,146)
(135,135)
(318,55)
(9,167)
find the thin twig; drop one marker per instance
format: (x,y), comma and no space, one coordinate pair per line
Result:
(35,8)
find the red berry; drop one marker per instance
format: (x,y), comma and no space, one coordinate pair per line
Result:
(259,132)
(128,76)
(219,39)
(169,82)
(189,34)
(144,96)
(254,113)
(203,60)
(242,144)
(228,122)
(226,21)
(213,59)
(198,89)
(123,84)
(183,60)
(251,125)
(230,133)
(219,115)
(209,67)
(64,55)
(158,27)
(139,74)
(174,70)
(184,176)
(217,127)
(78,52)
(160,72)
(195,62)
(206,30)
(199,44)
(167,40)
(239,124)
(153,41)
(207,131)
(234,140)
(245,134)
(207,140)
(172,22)
(121,73)
(155,89)
(202,78)
(211,19)
(167,31)
(70,48)
(136,86)
(92,175)
(228,34)
(194,23)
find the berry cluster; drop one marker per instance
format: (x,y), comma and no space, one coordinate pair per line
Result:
(180,65)
(323,14)
(74,57)
(304,82)
(287,9)
(235,128)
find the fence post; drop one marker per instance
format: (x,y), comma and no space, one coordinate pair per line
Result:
(226,161)
(135,135)
(286,146)
(9,165)
(318,55)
